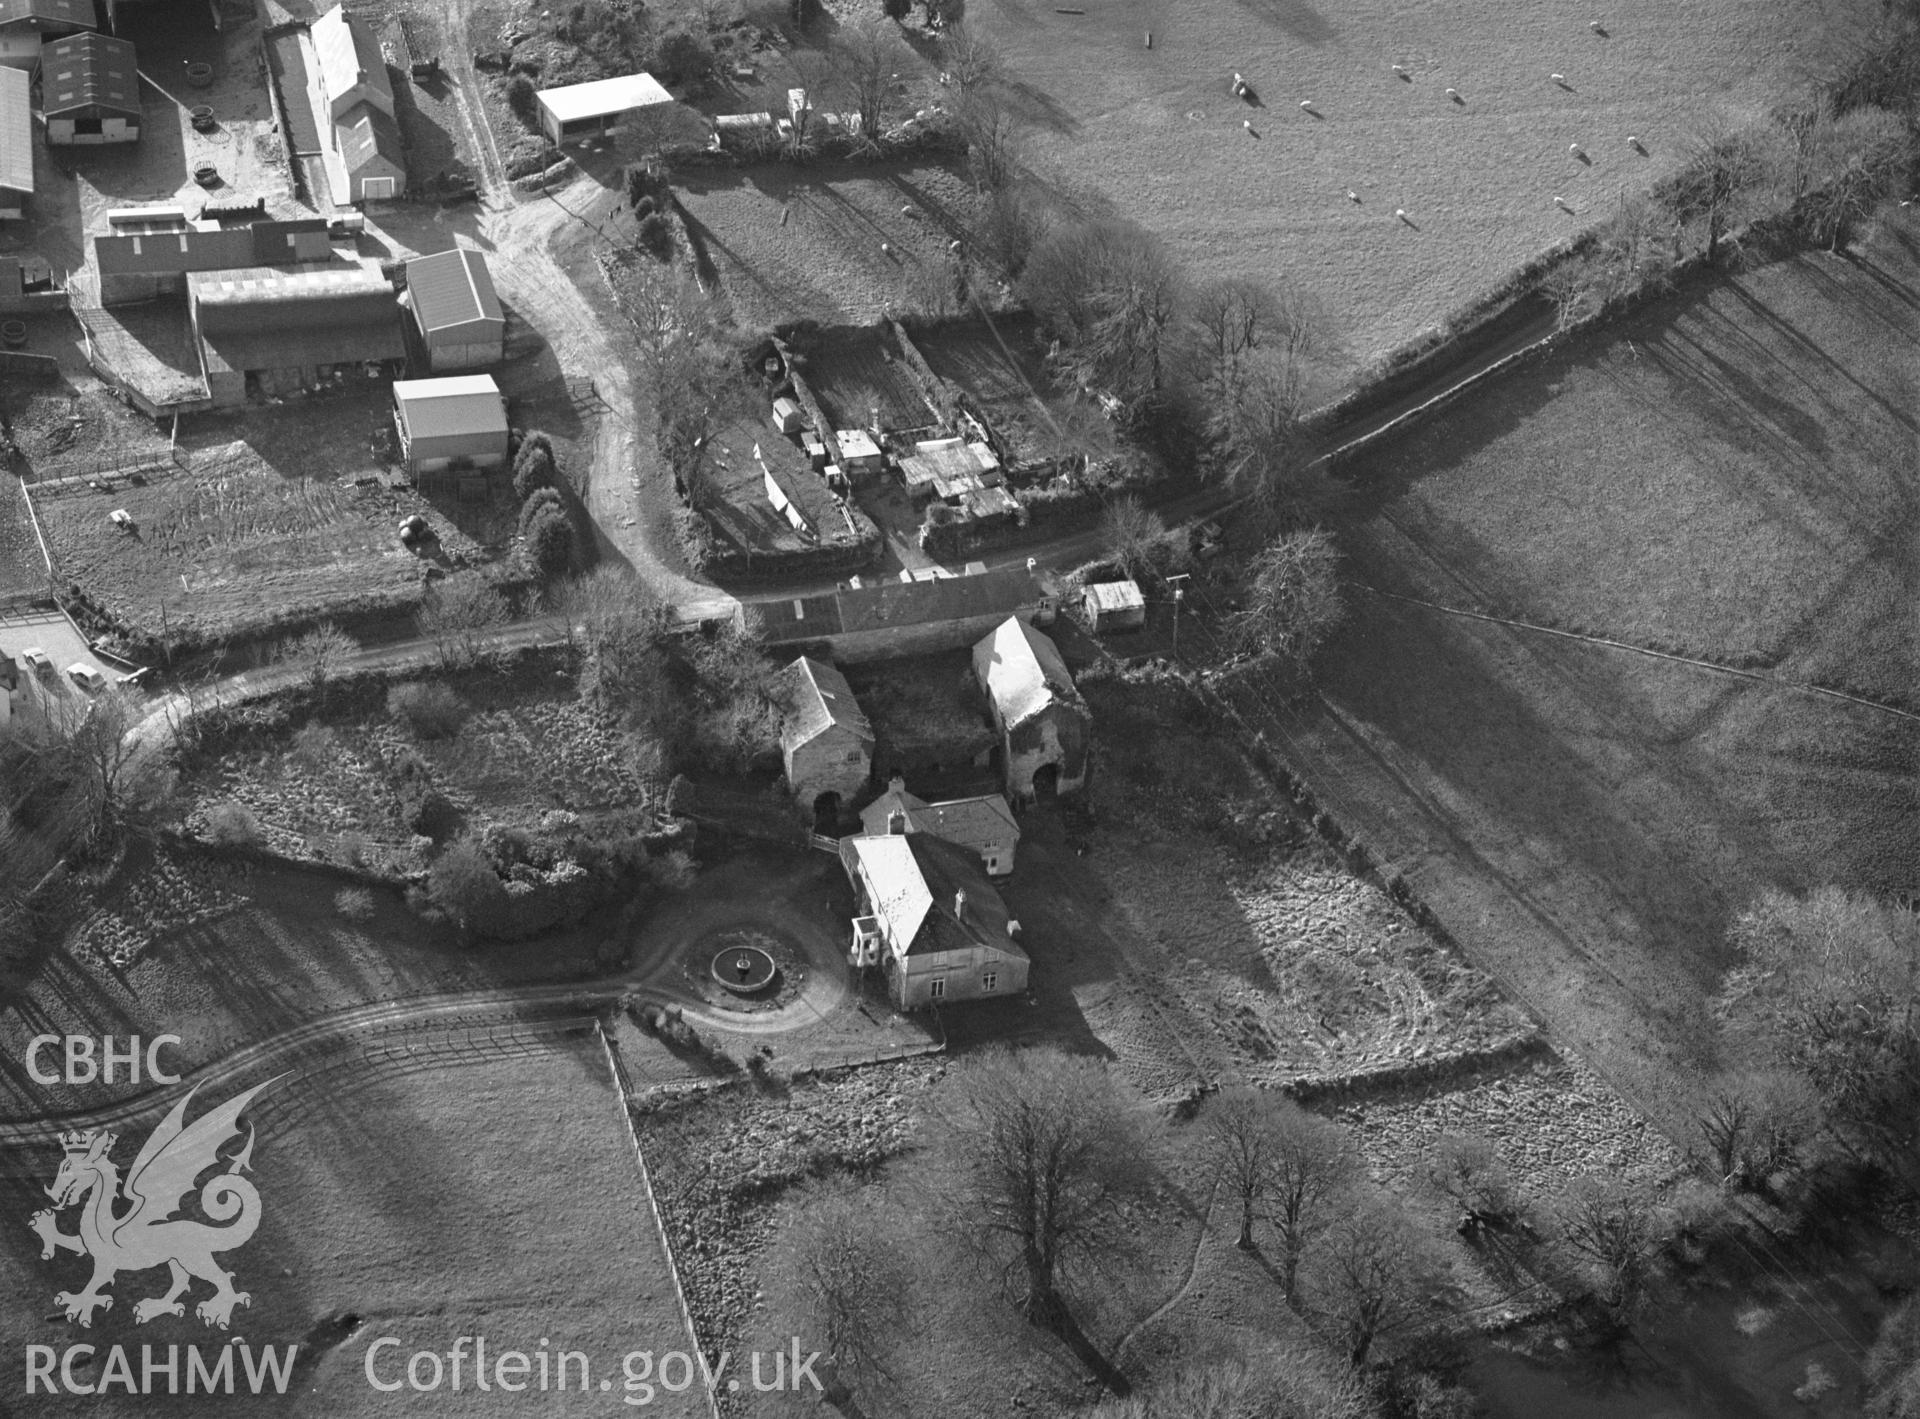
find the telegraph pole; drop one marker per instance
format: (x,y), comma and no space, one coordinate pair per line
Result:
(1178,593)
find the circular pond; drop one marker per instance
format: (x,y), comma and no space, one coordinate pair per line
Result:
(744,970)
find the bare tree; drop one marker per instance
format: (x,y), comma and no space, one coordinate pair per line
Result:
(1311,1172)
(1293,601)
(1612,1228)
(1369,1277)
(1718,183)
(1468,1171)
(855,1286)
(1829,988)
(1756,1126)
(1038,1152)
(865,55)
(316,655)
(992,136)
(1112,294)
(1131,532)
(1863,156)
(970,62)
(456,616)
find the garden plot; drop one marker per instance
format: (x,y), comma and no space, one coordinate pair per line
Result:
(862,382)
(998,363)
(835,243)
(525,749)
(1156,133)
(288,522)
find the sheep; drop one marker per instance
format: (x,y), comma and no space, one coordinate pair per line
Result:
(1307,104)
(1560,79)
(1454,94)
(1352,196)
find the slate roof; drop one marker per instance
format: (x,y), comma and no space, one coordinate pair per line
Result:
(16,130)
(367,136)
(914,880)
(87,71)
(452,288)
(967,821)
(349,58)
(802,619)
(819,699)
(459,405)
(267,243)
(896,603)
(50,14)
(1022,671)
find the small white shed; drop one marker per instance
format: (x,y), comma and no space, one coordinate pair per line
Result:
(1114,606)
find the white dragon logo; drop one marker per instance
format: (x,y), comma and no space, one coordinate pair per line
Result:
(147,1234)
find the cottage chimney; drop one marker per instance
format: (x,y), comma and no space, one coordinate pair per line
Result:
(896,824)
(960,904)
(896,784)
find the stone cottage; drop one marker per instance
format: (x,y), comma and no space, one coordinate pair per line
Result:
(1043,724)
(930,920)
(825,740)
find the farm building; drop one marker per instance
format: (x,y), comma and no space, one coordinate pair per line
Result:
(930,919)
(282,330)
(26,26)
(826,743)
(1113,606)
(364,159)
(352,69)
(366,163)
(1043,723)
(459,421)
(16,143)
(90,90)
(456,310)
(143,266)
(591,110)
(949,468)
(984,824)
(895,618)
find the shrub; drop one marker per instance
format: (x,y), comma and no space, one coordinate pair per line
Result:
(550,540)
(314,746)
(655,236)
(432,815)
(354,903)
(430,709)
(695,537)
(531,508)
(683,57)
(232,824)
(533,469)
(523,99)
(464,885)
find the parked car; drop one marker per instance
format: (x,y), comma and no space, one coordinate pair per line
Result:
(86,677)
(36,658)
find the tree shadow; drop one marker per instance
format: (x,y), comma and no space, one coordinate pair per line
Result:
(1296,18)
(1098,1365)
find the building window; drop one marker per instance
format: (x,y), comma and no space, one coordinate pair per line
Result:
(937,988)
(989,980)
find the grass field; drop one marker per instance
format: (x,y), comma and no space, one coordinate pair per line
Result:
(268,524)
(1731,474)
(496,1198)
(1157,134)
(805,243)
